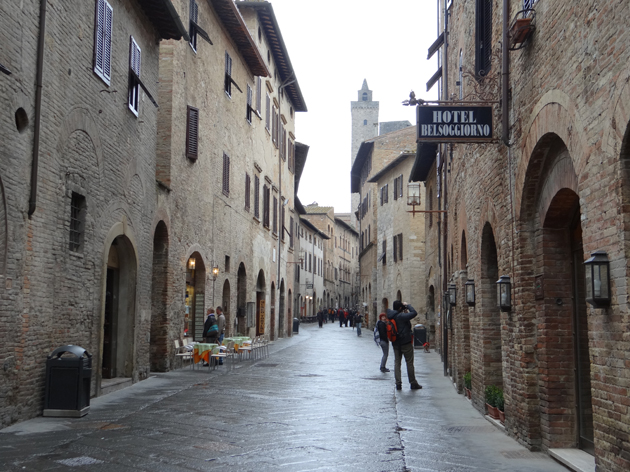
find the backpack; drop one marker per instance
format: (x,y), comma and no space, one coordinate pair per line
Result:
(392,330)
(377,336)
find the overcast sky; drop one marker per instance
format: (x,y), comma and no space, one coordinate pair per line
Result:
(333,46)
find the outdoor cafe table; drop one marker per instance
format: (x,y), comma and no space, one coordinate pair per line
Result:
(201,351)
(238,341)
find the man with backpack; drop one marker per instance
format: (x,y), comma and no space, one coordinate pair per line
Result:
(400,334)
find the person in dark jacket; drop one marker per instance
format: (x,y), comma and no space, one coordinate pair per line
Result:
(402,314)
(381,325)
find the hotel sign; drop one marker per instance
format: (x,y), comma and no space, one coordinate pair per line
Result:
(454,124)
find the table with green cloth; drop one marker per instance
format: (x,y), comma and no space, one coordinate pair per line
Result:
(238,341)
(201,351)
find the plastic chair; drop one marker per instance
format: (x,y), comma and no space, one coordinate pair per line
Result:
(182,353)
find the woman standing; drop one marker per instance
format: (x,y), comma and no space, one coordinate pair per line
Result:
(384,342)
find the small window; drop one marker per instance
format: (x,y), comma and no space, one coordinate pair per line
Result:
(257,196)
(228,74)
(226,175)
(365,97)
(275,215)
(248,184)
(364,122)
(291,232)
(248,114)
(259,96)
(266,195)
(103,41)
(274,124)
(135,58)
(192,133)
(268,113)
(77,222)
(194,19)
(483,37)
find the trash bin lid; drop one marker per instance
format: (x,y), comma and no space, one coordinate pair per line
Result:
(419,326)
(76,350)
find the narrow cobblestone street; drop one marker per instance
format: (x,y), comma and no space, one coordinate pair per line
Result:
(318,402)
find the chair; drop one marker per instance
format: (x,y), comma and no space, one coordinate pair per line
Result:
(245,348)
(182,353)
(265,346)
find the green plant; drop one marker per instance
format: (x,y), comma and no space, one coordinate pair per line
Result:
(493,395)
(468,380)
(499,399)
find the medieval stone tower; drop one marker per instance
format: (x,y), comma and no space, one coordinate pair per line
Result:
(364,126)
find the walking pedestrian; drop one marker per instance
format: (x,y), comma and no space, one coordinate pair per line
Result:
(383,342)
(401,316)
(346,317)
(320,318)
(221,326)
(358,319)
(340,315)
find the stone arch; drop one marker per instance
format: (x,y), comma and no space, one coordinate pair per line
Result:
(195,295)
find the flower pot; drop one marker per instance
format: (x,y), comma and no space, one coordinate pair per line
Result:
(502,416)
(468,393)
(493,412)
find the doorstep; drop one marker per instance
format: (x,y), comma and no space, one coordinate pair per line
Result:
(574,459)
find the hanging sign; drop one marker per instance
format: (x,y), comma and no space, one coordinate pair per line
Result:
(454,124)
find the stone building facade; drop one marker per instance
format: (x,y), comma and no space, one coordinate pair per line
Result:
(77,185)
(535,210)
(311,268)
(379,164)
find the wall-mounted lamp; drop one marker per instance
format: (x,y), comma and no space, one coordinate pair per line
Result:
(470,292)
(413,193)
(452,294)
(504,293)
(191,263)
(215,272)
(598,280)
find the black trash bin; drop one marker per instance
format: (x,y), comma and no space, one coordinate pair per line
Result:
(419,336)
(296,325)
(68,378)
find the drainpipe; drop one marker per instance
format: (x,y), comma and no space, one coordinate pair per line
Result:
(505,75)
(32,202)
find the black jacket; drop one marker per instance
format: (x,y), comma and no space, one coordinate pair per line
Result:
(382,330)
(403,323)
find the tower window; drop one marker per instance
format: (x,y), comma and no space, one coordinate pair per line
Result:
(364,122)
(365,96)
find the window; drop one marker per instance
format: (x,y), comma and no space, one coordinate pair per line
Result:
(227,263)
(257,196)
(398,248)
(268,113)
(103,41)
(259,96)
(283,142)
(310,263)
(228,74)
(248,184)
(460,79)
(365,97)
(386,193)
(77,222)
(192,133)
(291,150)
(364,122)
(291,232)
(274,126)
(248,114)
(194,19)
(528,4)
(384,255)
(398,186)
(282,213)
(266,196)
(275,215)
(226,175)
(483,37)
(135,57)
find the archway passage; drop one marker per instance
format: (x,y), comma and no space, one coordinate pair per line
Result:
(158,346)
(281,314)
(260,304)
(195,297)
(241,299)
(226,305)
(120,310)
(564,328)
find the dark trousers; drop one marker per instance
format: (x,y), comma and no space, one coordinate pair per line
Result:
(407,351)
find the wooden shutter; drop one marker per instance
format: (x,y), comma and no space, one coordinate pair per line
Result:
(103,40)
(256,196)
(291,231)
(266,206)
(248,185)
(384,254)
(386,193)
(135,59)
(382,198)
(258,95)
(396,248)
(282,213)
(228,74)
(226,175)
(192,133)
(268,112)
(400,247)
(400,186)
(249,104)
(275,215)
(194,19)
(396,188)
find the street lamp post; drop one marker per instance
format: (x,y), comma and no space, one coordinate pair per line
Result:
(215,274)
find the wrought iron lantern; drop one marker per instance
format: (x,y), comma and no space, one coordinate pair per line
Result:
(452,294)
(215,272)
(504,293)
(192,263)
(470,292)
(413,193)
(598,280)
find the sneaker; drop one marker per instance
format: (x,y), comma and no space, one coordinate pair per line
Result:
(398,386)
(385,369)
(416,386)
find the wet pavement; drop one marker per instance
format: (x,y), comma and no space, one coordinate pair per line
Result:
(318,403)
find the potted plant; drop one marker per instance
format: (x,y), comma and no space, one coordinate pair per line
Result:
(468,384)
(491,401)
(500,405)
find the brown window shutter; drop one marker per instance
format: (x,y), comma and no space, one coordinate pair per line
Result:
(258,95)
(247,191)
(396,248)
(396,188)
(275,215)
(400,247)
(226,175)
(192,133)
(256,196)
(400,186)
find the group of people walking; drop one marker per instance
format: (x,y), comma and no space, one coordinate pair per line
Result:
(395,327)
(344,315)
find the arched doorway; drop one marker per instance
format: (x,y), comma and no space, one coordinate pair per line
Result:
(120,310)
(289,314)
(399,296)
(281,314)
(158,344)
(260,303)
(226,305)
(272,313)
(489,321)
(241,299)
(195,297)
(384,305)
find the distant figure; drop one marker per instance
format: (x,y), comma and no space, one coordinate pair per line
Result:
(358,319)
(401,315)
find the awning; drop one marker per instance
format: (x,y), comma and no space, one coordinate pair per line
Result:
(425,157)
